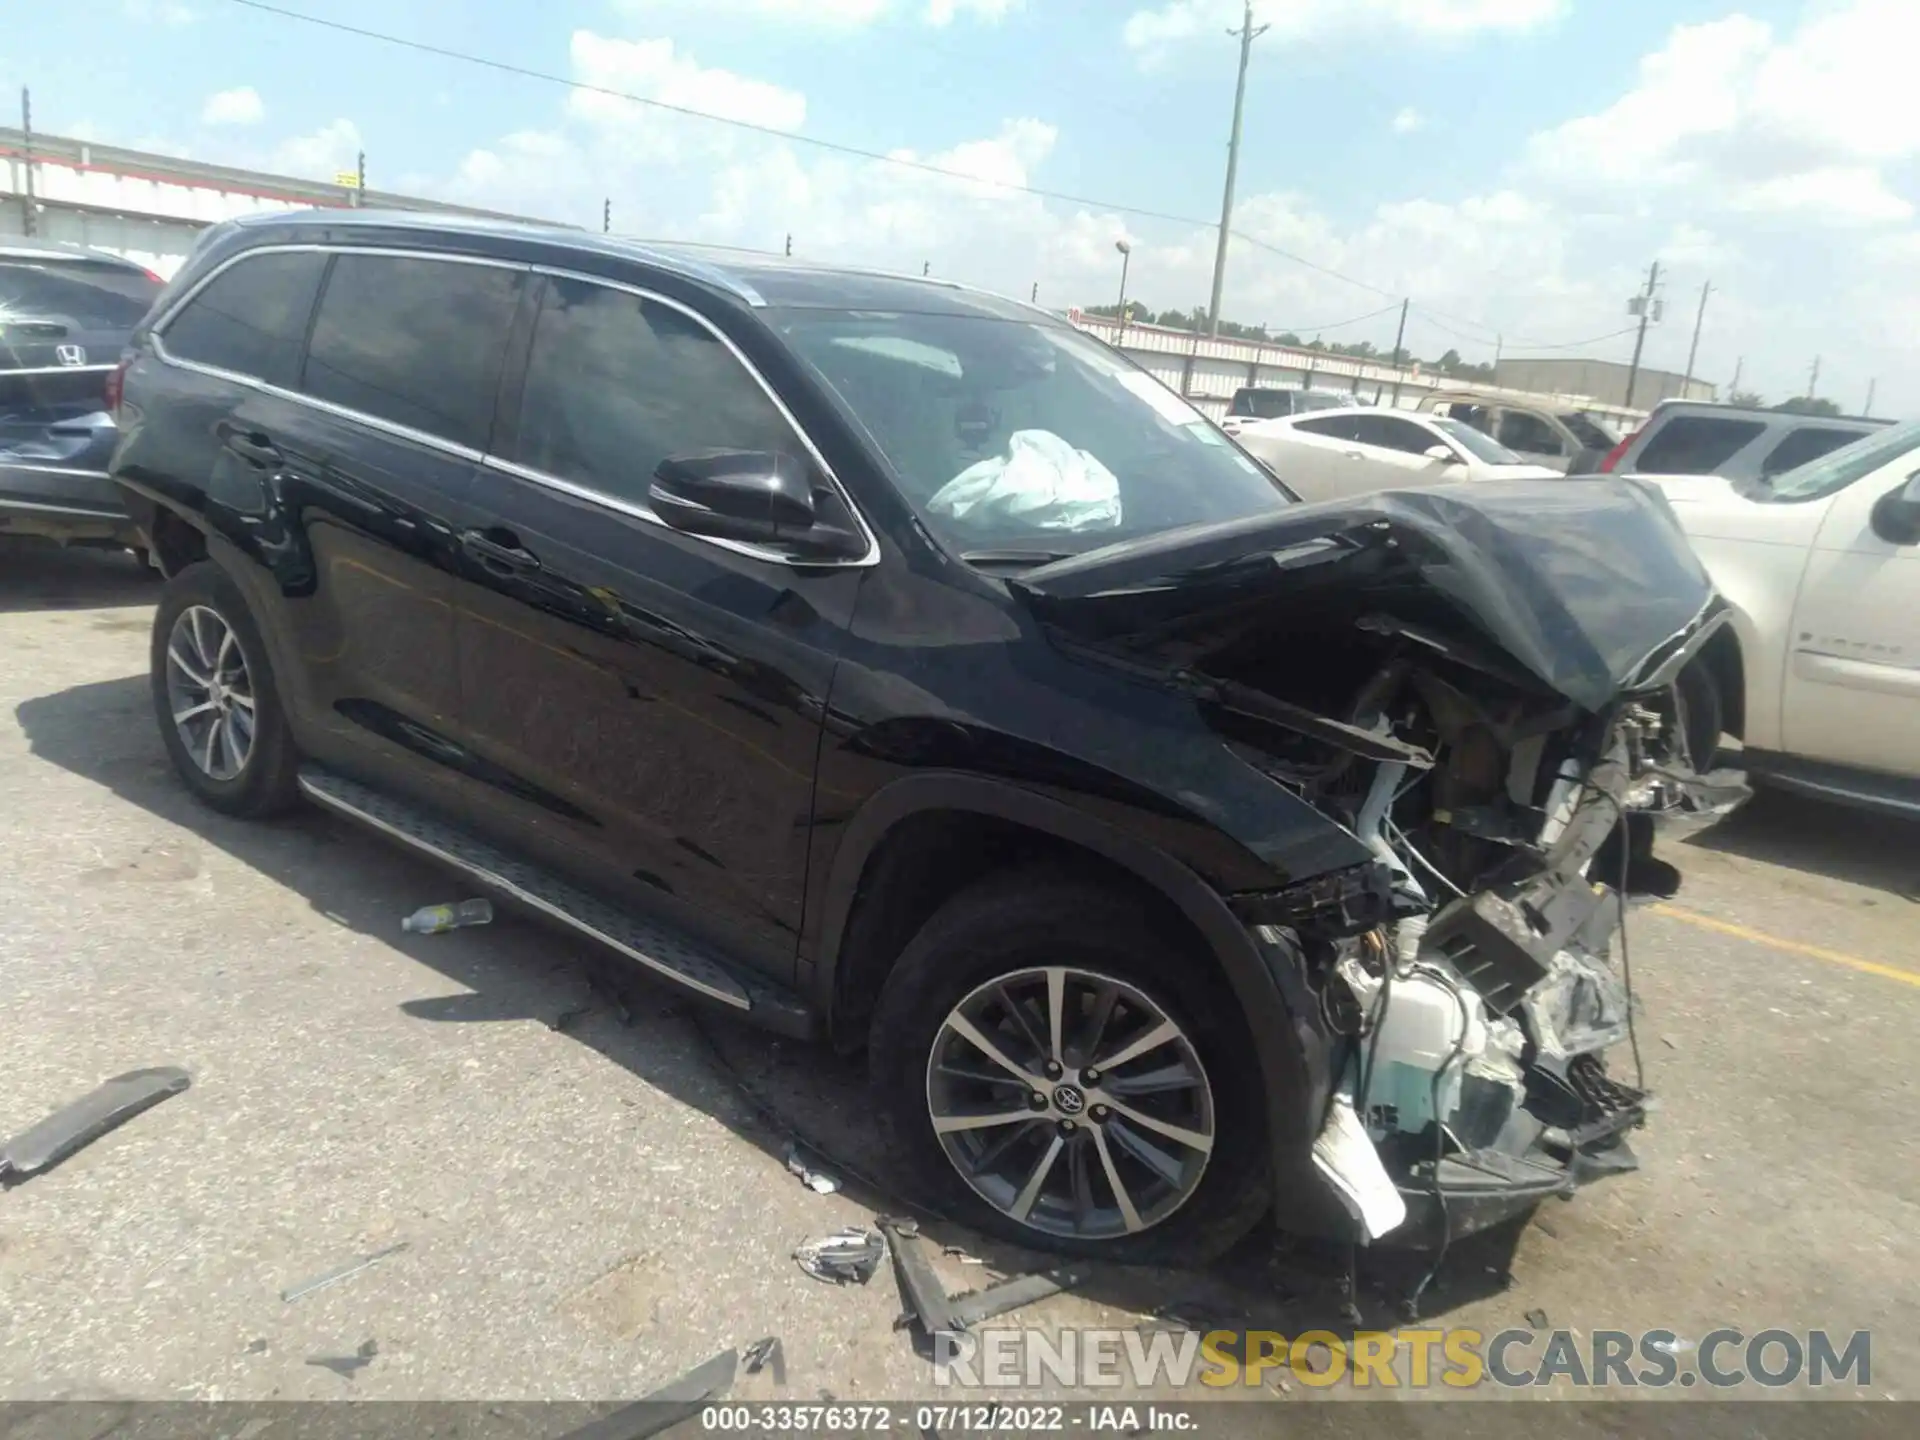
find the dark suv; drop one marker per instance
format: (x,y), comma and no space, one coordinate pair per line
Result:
(65,315)
(886,661)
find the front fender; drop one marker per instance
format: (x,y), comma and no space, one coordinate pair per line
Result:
(1264,970)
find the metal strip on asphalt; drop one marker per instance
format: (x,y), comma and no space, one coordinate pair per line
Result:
(1795,947)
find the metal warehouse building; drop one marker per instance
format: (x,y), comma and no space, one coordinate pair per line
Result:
(1603,380)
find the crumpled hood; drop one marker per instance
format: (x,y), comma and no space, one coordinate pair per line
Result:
(1586,585)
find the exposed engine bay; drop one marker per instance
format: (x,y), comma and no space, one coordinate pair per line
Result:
(1474,970)
(1475,684)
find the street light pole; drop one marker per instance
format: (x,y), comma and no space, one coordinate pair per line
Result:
(1247,34)
(1126,259)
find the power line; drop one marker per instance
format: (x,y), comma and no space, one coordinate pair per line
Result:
(1339,324)
(834,147)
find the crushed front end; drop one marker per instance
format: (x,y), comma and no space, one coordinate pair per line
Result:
(1476,684)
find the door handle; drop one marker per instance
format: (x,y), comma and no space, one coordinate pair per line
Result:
(499,550)
(251,446)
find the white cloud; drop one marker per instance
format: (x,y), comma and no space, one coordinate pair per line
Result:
(1408,120)
(654,70)
(1742,117)
(1177,20)
(329,151)
(241,106)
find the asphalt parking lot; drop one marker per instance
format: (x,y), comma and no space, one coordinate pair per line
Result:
(590,1186)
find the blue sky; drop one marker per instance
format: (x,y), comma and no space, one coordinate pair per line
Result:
(1511,164)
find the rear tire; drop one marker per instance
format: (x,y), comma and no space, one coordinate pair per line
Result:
(233,749)
(1020,930)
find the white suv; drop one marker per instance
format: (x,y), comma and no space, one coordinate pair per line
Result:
(1819,675)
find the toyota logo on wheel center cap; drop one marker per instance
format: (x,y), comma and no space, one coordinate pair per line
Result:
(1068,1100)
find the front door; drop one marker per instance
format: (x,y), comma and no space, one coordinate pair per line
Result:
(1852,692)
(654,700)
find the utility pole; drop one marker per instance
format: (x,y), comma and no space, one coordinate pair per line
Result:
(1499,344)
(789,244)
(1120,311)
(1399,340)
(1034,298)
(27,217)
(926,267)
(360,180)
(1813,379)
(606,216)
(1738,366)
(1867,411)
(1643,305)
(1693,350)
(1247,35)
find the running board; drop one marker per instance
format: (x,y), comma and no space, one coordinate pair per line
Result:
(1843,785)
(665,952)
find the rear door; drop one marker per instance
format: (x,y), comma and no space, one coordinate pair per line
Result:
(395,406)
(652,700)
(1308,453)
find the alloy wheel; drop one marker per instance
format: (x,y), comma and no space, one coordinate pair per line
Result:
(1071,1102)
(210,692)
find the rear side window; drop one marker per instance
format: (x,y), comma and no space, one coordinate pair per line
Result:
(82,294)
(251,318)
(1391,434)
(1806,444)
(1695,444)
(416,342)
(617,383)
(1334,427)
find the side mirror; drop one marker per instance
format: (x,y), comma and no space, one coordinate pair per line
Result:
(1896,515)
(757,496)
(1444,454)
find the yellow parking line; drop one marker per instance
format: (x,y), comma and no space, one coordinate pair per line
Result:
(1760,937)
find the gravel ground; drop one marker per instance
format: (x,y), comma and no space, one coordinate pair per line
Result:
(589,1182)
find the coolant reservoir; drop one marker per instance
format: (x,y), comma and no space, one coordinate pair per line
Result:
(1418,1030)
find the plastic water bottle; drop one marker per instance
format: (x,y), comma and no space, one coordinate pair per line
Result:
(432,919)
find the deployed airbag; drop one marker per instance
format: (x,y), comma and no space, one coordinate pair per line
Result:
(1041,482)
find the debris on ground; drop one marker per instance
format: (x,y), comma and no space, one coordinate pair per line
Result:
(435,919)
(1679,1345)
(667,1406)
(849,1256)
(763,1355)
(815,1178)
(73,1127)
(345,1365)
(959,1252)
(1536,1318)
(938,1313)
(340,1272)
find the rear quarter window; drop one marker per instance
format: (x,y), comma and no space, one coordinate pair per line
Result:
(88,295)
(251,318)
(1696,444)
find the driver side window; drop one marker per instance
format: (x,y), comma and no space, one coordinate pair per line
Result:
(1392,433)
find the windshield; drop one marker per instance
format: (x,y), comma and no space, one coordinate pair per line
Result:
(1011,435)
(1482,447)
(1838,469)
(1588,431)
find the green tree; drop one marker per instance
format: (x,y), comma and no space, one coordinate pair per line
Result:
(1448,363)
(1808,405)
(1749,399)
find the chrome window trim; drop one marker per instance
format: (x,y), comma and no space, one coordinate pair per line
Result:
(157,337)
(36,469)
(60,370)
(39,507)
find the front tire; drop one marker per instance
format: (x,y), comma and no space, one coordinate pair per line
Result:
(1701,713)
(214,697)
(1058,1067)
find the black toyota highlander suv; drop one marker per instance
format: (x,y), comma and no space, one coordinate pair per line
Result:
(889,662)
